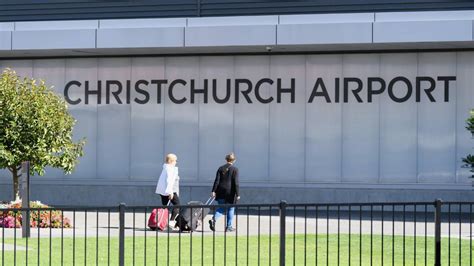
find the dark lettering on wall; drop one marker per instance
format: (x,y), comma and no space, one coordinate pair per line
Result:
(66,92)
(323,92)
(158,83)
(142,92)
(370,87)
(446,85)
(261,91)
(170,92)
(355,91)
(428,91)
(290,90)
(246,92)
(97,92)
(258,86)
(227,91)
(409,89)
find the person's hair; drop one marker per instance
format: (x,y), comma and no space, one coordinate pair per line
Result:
(170,156)
(230,157)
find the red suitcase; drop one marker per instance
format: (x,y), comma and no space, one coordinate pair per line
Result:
(158,219)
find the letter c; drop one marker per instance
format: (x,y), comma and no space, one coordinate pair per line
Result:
(66,92)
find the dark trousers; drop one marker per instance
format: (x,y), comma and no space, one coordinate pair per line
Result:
(174,201)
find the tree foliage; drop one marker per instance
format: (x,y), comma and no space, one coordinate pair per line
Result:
(35,126)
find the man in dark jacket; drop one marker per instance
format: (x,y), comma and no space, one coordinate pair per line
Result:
(226,191)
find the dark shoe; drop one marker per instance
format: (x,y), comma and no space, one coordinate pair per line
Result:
(212,225)
(229,229)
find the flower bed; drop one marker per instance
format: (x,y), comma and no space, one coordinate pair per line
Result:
(38,218)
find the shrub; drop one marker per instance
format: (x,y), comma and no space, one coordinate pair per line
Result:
(38,218)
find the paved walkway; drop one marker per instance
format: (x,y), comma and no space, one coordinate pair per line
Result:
(135,224)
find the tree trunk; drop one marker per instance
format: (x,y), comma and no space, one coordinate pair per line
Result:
(16,183)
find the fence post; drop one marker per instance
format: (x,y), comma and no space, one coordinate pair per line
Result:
(437,219)
(122,234)
(282,232)
(25,199)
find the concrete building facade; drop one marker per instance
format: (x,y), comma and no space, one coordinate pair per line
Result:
(343,107)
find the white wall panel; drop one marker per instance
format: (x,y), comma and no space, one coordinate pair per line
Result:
(251,140)
(182,120)
(147,124)
(437,122)
(464,103)
(86,115)
(23,68)
(360,160)
(355,142)
(287,121)
(398,121)
(216,121)
(323,121)
(113,137)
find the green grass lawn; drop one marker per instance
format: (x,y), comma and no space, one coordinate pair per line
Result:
(249,250)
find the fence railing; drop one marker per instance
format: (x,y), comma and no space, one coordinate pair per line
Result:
(396,233)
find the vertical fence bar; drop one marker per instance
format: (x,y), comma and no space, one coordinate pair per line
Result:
(28,221)
(14,237)
(191,238)
(393,235)
(74,237)
(414,234)
(449,233)
(85,238)
(202,238)
(305,233)
(460,223)
(122,234)
(108,237)
(133,237)
(327,234)
(382,214)
(248,213)
(97,238)
(269,239)
(404,216)
(470,233)
(426,234)
(294,235)
(338,234)
(144,229)
(437,221)
(371,232)
(282,232)
(349,253)
(236,232)
(62,237)
(360,235)
(3,244)
(50,237)
(156,246)
(316,238)
(39,236)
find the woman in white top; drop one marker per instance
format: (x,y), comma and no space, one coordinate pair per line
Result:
(168,184)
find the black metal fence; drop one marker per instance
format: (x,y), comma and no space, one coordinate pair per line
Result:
(397,233)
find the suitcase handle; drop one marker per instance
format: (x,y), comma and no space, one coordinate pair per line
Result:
(210,201)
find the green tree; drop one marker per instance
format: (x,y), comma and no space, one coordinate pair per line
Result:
(35,126)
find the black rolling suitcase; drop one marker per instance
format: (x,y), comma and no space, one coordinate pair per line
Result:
(190,218)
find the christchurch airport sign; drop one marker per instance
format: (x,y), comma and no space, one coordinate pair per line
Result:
(347,89)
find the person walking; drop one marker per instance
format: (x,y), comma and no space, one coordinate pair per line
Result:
(168,185)
(226,191)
